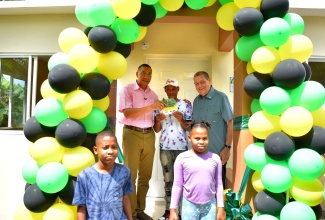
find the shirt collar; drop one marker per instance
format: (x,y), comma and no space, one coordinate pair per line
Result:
(136,87)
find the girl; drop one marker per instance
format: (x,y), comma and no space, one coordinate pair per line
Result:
(198,178)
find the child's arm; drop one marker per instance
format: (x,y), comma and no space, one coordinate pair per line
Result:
(173,214)
(81,213)
(127,207)
(221,215)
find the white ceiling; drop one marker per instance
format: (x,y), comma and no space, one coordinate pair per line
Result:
(301,7)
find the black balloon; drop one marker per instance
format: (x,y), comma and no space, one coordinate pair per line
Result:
(35,200)
(87,29)
(314,139)
(248,21)
(27,185)
(96,85)
(274,8)
(63,78)
(33,130)
(318,211)
(67,193)
(70,133)
(279,146)
(289,74)
(308,71)
(124,49)
(146,15)
(102,39)
(255,83)
(269,203)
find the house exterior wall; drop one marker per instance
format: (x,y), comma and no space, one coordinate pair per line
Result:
(38,34)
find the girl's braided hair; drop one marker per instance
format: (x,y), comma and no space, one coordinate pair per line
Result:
(202,124)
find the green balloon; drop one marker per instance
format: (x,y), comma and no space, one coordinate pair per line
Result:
(306,164)
(195,4)
(222,2)
(29,171)
(310,95)
(246,46)
(275,100)
(160,11)
(58,58)
(81,12)
(255,156)
(50,112)
(95,121)
(255,106)
(127,31)
(276,177)
(297,211)
(101,12)
(149,2)
(52,177)
(296,23)
(275,32)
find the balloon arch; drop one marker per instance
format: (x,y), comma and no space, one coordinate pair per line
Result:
(287,107)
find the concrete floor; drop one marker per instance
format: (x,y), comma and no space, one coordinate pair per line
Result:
(155,207)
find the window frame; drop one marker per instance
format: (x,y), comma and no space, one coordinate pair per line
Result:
(31,89)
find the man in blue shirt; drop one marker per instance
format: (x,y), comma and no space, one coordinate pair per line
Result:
(213,106)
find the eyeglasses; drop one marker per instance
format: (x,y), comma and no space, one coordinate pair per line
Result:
(145,74)
(202,82)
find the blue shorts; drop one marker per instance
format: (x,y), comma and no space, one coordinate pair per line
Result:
(191,211)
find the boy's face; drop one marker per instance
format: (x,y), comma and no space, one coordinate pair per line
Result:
(106,149)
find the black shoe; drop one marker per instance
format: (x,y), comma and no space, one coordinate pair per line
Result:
(165,216)
(143,216)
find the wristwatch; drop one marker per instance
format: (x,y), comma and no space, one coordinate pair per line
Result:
(228,146)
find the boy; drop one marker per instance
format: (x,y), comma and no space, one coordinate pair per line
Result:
(102,189)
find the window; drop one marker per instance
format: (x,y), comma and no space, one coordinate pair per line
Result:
(20,81)
(317,66)
(13,91)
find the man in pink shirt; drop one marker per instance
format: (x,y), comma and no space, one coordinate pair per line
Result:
(137,103)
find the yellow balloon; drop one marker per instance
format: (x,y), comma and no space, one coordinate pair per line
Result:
(296,121)
(47,91)
(249,68)
(324,167)
(45,150)
(76,159)
(142,34)
(74,209)
(247,3)
(102,104)
(83,58)
(70,37)
(225,16)
(77,104)
(265,59)
(318,117)
(59,211)
(171,5)
(22,213)
(210,3)
(113,65)
(298,47)
(257,182)
(262,124)
(309,192)
(126,9)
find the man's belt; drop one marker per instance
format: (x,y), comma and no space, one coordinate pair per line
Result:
(142,130)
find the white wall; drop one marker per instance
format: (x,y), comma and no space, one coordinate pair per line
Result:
(39,34)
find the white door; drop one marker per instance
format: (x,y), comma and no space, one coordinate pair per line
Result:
(181,68)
